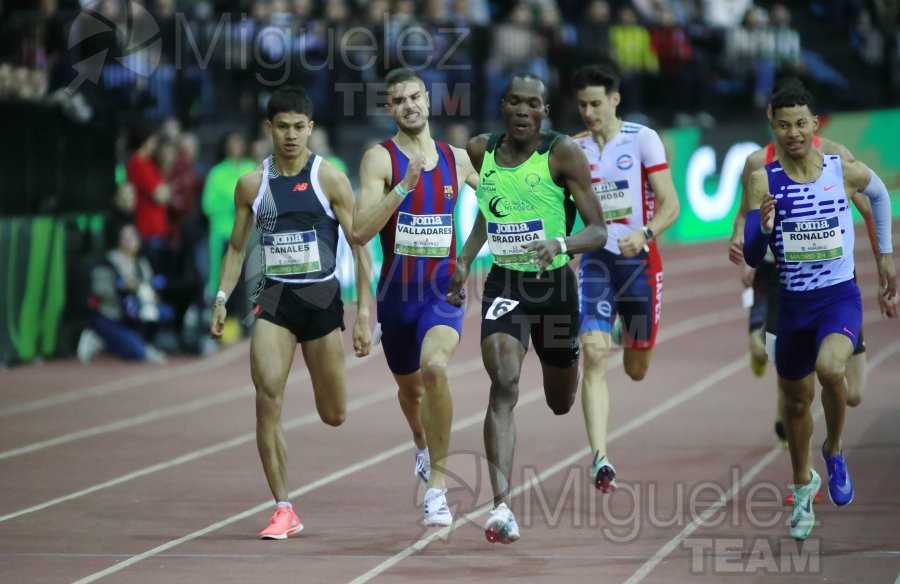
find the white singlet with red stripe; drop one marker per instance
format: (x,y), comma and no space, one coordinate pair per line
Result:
(619,174)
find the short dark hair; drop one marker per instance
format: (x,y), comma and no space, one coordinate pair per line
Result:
(525,77)
(596,76)
(402,75)
(289,98)
(790,95)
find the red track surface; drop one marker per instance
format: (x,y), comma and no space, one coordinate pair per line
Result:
(126,473)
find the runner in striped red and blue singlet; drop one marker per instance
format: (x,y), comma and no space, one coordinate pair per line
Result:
(409,188)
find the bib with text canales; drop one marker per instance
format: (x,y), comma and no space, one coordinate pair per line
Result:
(505,240)
(427,236)
(291,253)
(614,197)
(810,240)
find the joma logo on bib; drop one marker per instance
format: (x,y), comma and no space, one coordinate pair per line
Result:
(809,225)
(287,238)
(426,220)
(512,227)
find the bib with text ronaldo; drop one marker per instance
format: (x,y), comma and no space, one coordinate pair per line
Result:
(811,240)
(289,254)
(427,236)
(505,240)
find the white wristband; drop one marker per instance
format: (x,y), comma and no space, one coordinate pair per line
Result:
(220,295)
(562,245)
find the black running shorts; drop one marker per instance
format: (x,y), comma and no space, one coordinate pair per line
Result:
(310,311)
(544,309)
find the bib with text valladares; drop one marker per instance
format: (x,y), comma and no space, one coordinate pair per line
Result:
(614,197)
(810,240)
(427,236)
(293,253)
(505,240)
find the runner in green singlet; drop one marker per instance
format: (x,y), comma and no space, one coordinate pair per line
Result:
(530,184)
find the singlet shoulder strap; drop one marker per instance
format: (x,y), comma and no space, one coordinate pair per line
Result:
(493,140)
(547,143)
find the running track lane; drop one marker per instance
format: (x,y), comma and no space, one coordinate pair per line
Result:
(336,547)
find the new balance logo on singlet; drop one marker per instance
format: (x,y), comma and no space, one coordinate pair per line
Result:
(300,186)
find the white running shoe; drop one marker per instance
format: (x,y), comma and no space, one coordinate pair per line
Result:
(803,518)
(423,465)
(89,344)
(501,526)
(437,512)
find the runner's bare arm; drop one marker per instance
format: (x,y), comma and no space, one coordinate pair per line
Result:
(455,292)
(340,194)
(570,169)
(666,214)
(735,249)
(378,195)
(244,194)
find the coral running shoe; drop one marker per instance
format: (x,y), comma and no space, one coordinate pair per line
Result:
(789,498)
(284,523)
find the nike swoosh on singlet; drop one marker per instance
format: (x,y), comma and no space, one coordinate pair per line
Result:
(829,188)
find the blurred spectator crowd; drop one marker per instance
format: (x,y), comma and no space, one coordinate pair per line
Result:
(198,59)
(185,82)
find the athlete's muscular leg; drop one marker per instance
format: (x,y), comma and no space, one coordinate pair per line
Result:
(411,395)
(325,360)
(796,397)
(594,391)
(856,379)
(502,355)
(637,362)
(560,387)
(437,348)
(271,355)
(831,367)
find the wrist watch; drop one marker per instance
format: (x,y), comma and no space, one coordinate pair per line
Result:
(648,233)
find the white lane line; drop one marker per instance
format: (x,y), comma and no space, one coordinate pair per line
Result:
(456,369)
(326,480)
(299,376)
(648,416)
(703,385)
(155,376)
(241,391)
(353,405)
(528,397)
(694,525)
(689,529)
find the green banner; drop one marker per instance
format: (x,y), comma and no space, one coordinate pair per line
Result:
(706,166)
(32,296)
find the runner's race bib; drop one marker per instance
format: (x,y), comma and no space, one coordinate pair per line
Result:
(289,254)
(810,240)
(505,240)
(427,236)
(614,197)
